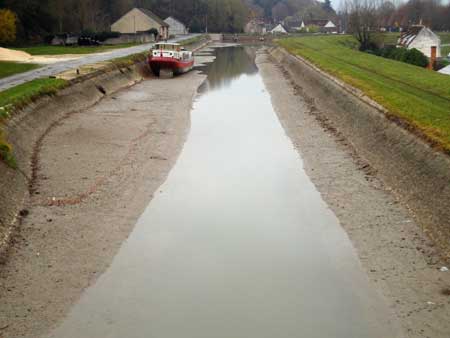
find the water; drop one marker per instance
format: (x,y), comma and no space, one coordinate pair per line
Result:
(238,244)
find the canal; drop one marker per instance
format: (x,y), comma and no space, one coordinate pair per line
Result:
(237,242)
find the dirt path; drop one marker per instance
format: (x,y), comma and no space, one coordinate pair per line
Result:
(97,170)
(397,256)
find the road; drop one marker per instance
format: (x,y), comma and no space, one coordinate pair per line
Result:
(62,66)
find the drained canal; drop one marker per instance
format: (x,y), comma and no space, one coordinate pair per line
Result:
(237,243)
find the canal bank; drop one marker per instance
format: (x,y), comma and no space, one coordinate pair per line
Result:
(399,258)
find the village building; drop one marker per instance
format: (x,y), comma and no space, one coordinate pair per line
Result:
(255,26)
(293,26)
(176,26)
(324,25)
(421,38)
(140,20)
(279,29)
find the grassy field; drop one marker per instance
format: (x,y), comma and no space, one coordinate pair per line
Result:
(10,68)
(415,95)
(59,50)
(16,98)
(445,50)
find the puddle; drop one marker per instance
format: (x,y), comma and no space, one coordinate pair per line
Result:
(238,242)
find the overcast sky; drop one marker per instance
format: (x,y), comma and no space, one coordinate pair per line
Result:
(336,3)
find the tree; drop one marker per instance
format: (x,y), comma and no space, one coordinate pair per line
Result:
(7,26)
(363,22)
(327,6)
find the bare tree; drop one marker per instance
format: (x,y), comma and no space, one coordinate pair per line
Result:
(362,21)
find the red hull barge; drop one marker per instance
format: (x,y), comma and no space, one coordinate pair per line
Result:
(177,66)
(170,57)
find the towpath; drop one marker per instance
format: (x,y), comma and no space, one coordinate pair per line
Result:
(62,66)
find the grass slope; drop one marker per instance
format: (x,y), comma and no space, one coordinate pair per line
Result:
(419,97)
(10,68)
(16,98)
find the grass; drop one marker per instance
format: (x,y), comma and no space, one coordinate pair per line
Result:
(445,50)
(419,97)
(193,40)
(60,50)
(18,97)
(10,68)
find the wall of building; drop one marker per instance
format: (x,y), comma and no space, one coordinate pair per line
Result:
(424,41)
(176,27)
(136,21)
(131,38)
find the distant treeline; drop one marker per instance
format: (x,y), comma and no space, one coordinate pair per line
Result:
(39,18)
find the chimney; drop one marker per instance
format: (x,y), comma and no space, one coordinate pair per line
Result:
(432,58)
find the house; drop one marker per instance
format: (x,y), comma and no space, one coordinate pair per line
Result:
(176,26)
(279,29)
(255,26)
(293,25)
(421,38)
(330,27)
(324,25)
(140,20)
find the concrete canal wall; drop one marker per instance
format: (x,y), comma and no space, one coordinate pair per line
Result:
(26,129)
(418,173)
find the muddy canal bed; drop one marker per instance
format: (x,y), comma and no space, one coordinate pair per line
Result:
(238,241)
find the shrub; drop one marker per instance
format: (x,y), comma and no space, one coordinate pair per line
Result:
(411,56)
(313,29)
(416,57)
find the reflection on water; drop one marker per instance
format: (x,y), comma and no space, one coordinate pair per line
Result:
(238,243)
(230,64)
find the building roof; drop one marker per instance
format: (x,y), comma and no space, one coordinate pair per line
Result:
(152,15)
(174,19)
(279,28)
(407,37)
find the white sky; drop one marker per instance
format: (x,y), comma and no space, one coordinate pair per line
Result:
(336,3)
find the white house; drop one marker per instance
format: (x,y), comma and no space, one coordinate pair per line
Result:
(330,27)
(140,20)
(421,38)
(279,29)
(176,26)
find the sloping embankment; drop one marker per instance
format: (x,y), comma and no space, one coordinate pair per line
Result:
(419,174)
(27,128)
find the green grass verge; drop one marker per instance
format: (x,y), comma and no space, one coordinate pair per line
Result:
(10,68)
(445,50)
(18,97)
(193,40)
(419,97)
(60,50)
